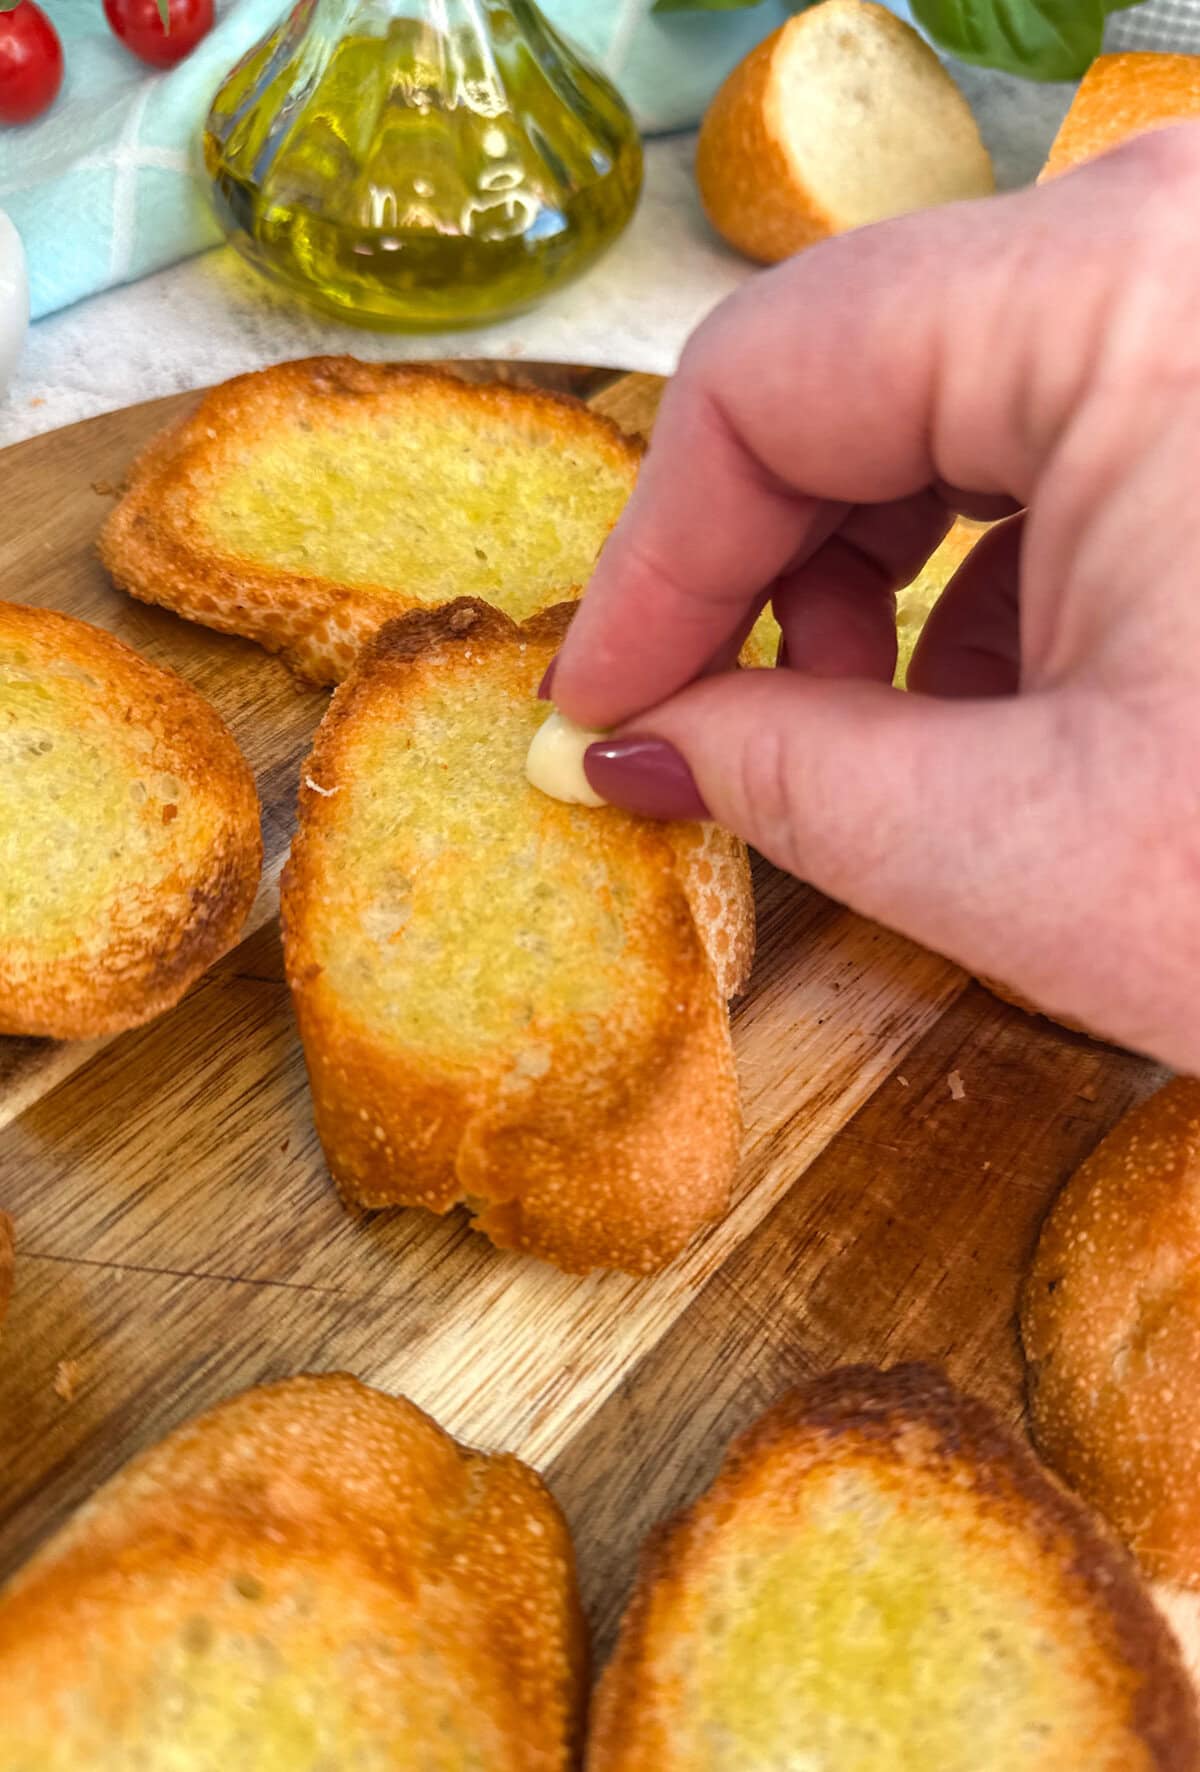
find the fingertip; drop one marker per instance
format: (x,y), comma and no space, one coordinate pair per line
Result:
(644,774)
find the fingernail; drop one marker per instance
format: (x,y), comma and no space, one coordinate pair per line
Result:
(547,682)
(644,775)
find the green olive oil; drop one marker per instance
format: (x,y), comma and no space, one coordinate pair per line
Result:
(420,164)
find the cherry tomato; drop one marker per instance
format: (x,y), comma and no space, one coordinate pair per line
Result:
(138,24)
(31,63)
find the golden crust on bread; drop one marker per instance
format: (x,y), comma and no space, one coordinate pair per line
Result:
(6,1263)
(882,1577)
(1110,1320)
(841,117)
(312,1574)
(305,505)
(130,847)
(506,1001)
(1120,96)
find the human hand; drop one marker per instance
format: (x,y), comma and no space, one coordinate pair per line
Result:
(1033,810)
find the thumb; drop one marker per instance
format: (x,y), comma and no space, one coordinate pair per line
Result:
(966,825)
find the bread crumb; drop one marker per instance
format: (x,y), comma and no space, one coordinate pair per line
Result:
(903,1082)
(67,1375)
(957,1089)
(1087,1093)
(325,793)
(103,488)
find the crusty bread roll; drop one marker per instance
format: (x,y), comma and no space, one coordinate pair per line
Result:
(843,116)
(1110,1321)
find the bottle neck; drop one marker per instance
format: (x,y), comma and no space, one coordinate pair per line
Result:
(450,20)
(453,52)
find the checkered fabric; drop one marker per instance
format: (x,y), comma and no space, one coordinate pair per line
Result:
(1162,24)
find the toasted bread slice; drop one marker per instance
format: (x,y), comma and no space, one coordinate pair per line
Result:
(1110,1320)
(504,1000)
(130,848)
(6,1263)
(312,1575)
(305,505)
(843,116)
(880,1579)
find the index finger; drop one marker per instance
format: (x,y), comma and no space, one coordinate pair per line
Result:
(946,346)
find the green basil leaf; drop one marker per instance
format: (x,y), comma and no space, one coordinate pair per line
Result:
(1042,39)
(703,5)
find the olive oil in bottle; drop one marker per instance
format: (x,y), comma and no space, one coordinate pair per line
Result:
(420,164)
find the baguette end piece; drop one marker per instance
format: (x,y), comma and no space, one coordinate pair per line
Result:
(843,117)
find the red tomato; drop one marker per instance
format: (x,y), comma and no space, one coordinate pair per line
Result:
(31,63)
(141,30)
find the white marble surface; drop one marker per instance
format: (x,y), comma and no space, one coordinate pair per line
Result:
(211,317)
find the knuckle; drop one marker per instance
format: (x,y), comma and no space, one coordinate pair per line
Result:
(1169,156)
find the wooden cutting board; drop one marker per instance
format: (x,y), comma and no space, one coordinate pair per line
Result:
(178,1237)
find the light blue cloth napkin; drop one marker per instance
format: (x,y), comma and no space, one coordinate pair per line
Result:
(105,187)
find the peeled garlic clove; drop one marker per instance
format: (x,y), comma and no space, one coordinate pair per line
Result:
(555,761)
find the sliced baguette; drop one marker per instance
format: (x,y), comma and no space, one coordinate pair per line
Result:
(130,848)
(305,505)
(506,1001)
(881,1578)
(843,116)
(310,1576)
(1110,1321)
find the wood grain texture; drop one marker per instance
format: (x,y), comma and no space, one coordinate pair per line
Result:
(178,1237)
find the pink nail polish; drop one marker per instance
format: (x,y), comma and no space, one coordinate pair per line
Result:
(644,775)
(546,685)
